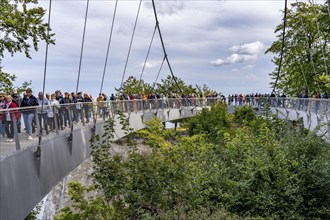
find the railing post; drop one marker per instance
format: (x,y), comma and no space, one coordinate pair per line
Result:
(36,115)
(93,113)
(82,115)
(18,147)
(55,119)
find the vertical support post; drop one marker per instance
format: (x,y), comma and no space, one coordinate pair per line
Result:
(36,115)
(82,115)
(55,118)
(18,147)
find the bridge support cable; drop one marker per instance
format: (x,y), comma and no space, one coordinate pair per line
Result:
(165,54)
(110,37)
(38,151)
(130,45)
(145,61)
(310,52)
(82,46)
(282,48)
(160,69)
(163,46)
(70,137)
(302,70)
(319,33)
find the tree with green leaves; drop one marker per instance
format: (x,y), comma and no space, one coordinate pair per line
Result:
(7,83)
(231,167)
(305,64)
(22,23)
(134,86)
(21,27)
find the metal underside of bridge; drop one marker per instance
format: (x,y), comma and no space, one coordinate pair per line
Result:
(26,180)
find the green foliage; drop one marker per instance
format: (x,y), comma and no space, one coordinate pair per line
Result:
(7,83)
(34,213)
(306,51)
(244,114)
(85,208)
(21,23)
(133,86)
(225,169)
(213,122)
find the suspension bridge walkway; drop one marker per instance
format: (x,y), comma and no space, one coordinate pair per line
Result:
(29,169)
(26,177)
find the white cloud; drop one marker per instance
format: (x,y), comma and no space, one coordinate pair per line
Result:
(246,53)
(234,58)
(252,76)
(147,65)
(251,48)
(194,34)
(249,67)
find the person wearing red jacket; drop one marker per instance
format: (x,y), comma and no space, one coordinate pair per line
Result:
(8,118)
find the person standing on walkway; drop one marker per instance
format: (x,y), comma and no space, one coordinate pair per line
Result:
(29,101)
(18,100)
(42,112)
(9,119)
(53,112)
(2,115)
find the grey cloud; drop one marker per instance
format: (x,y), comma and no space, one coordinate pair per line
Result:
(167,8)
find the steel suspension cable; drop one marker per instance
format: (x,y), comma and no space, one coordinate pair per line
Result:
(302,70)
(38,151)
(163,46)
(82,46)
(319,33)
(145,61)
(160,69)
(282,49)
(110,36)
(130,46)
(310,52)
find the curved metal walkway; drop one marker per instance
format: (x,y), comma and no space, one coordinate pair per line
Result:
(26,179)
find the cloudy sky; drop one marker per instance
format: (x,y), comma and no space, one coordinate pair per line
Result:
(218,43)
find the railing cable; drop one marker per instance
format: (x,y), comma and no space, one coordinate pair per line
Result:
(130,46)
(110,36)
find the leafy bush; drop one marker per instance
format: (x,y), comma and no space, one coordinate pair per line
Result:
(213,122)
(85,207)
(262,169)
(244,114)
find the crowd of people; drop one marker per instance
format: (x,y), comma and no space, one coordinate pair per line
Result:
(53,109)
(45,107)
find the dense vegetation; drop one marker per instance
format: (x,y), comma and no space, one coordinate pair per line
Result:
(305,64)
(220,167)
